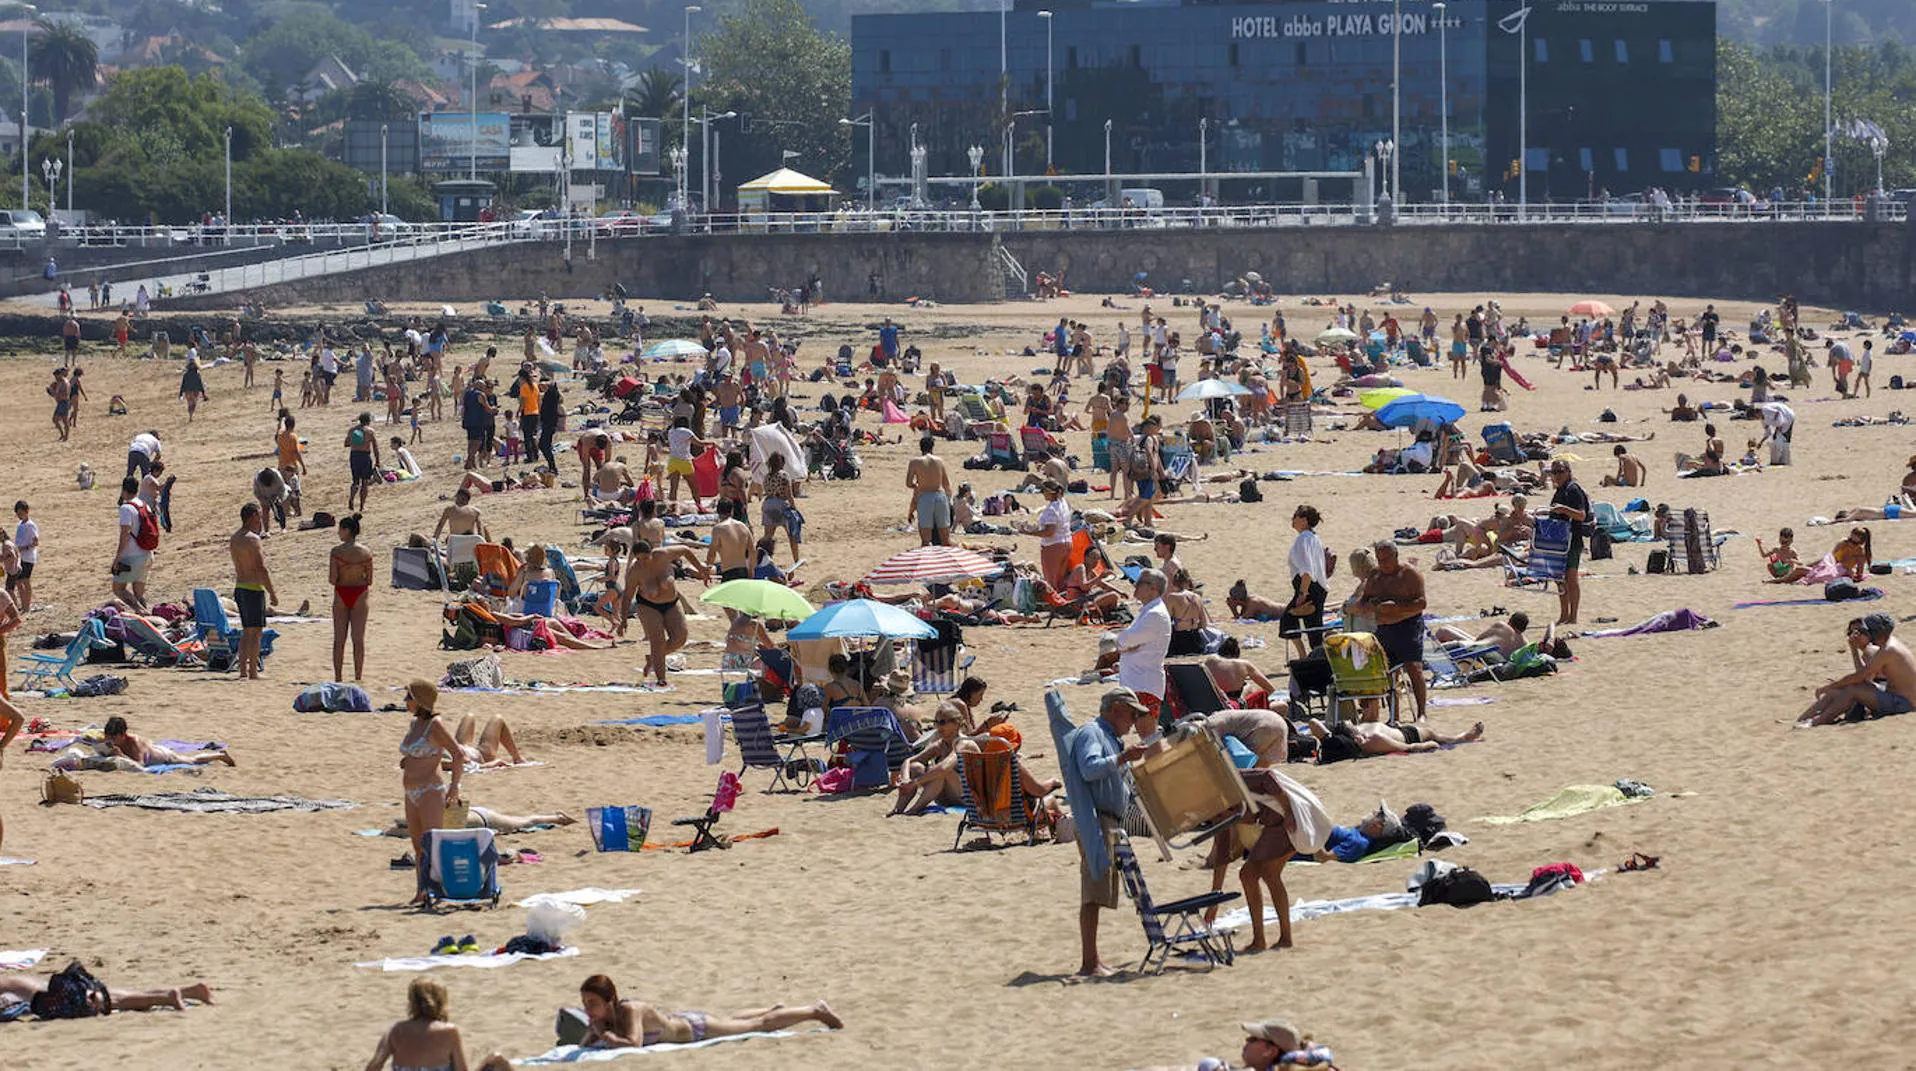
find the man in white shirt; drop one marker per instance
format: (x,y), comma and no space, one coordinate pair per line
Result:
(130,560)
(26,537)
(1779,427)
(143,452)
(1142,645)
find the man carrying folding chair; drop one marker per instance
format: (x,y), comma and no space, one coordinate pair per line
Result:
(1571,504)
(1093,764)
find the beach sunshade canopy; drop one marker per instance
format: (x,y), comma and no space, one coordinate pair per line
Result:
(675,347)
(1379,397)
(1418,408)
(1336,334)
(862,618)
(759,598)
(1206,389)
(788,182)
(932,565)
(1592,308)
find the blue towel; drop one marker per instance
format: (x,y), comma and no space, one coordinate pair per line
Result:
(655,720)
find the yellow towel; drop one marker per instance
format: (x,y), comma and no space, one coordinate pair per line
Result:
(1574,800)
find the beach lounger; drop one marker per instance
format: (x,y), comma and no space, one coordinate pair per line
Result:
(1360,673)
(760,748)
(724,798)
(937,666)
(148,642)
(1177,926)
(40,671)
(873,741)
(216,631)
(994,795)
(1692,544)
(1193,691)
(462,867)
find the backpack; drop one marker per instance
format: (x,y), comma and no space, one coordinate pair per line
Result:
(1462,887)
(67,995)
(1247,492)
(146,535)
(1600,545)
(1140,465)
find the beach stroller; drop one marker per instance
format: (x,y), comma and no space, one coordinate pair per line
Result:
(221,638)
(1500,442)
(724,798)
(1691,544)
(462,867)
(1360,673)
(994,795)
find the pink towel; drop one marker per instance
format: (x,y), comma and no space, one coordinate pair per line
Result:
(894,415)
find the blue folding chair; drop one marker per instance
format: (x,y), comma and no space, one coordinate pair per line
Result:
(542,598)
(874,743)
(217,632)
(1176,927)
(760,748)
(570,593)
(1549,551)
(38,669)
(462,867)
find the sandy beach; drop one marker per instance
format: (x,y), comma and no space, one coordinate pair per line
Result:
(1767,934)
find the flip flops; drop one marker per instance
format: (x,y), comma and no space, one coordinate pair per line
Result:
(1640,861)
(468,945)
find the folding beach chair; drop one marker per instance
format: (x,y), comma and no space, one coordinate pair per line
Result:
(760,748)
(1311,682)
(779,668)
(1360,673)
(1297,420)
(1605,517)
(1036,440)
(216,631)
(542,598)
(1447,662)
(1001,451)
(570,593)
(1549,552)
(462,867)
(1500,442)
(148,642)
(873,743)
(994,796)
(497,568)
(1185,932)
(1192,690)
(459,551)
(1180,464)
(1190,791)
(937,666)
(1692,544)
(724,798)
(38,670)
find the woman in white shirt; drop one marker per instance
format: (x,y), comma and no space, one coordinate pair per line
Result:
(1303,620)
(27,538)
(1053,530)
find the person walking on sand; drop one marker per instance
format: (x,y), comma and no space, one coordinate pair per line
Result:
(653,594)
(252,587)
(362,446)
(62,394)
(930,486)
(192,384)
(133,554)
(1094,758)
(349,569)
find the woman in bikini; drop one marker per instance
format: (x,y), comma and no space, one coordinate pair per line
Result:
(652,596)
(616,1023)
(426,1040)
(350,572)
(427,744)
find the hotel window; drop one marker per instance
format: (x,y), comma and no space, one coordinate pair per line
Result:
(1623,51)
(1665,53)
(1302,58)
(1542,49)
(884,61)
(1671,160)
(1233,57)
(1585,52)
(1137,56)
(1623,160)
(1071,58)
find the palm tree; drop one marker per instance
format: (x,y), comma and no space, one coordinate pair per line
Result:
(657,94)
(67,60)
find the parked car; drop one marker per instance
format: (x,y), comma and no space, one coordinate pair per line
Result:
(22,226)
(1719,199)
(384,227)
(622,221)
(1629,204)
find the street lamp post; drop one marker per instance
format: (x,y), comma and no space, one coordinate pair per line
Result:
(870,122)
(1204,149)
(1396,91)
(685,96)
(26,28)
(1107,148)
(1048,71)
(382,168)
(227,230)
(51,168)
(1829,159)
(473,131)
(975,154)
(1443,90)
(706,118)
(1518,22)
(1386,152)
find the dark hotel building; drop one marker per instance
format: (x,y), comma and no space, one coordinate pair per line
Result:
(1621,93)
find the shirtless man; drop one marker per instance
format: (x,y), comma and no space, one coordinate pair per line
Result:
(62,394)
(1234,674)
(291,460)
(653,595)
(591,449)
(1377,738)
(727,394)
(252,587)
(1165,546)
(1119,434)
(1395,593)
(147,753)
(1883,681)
(1631,471)
(612,481)
(731,545)
(1508,635)
(930,486)
(462,517)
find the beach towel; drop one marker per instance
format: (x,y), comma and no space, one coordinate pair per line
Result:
(575,1054)
(654,720)
(1822,572)
(20,960)
(1867,595)
(583,897)
(1574,800)
(1306,910)
(212,801)
(8,860)
(1679,620)
(485,961)
(895,415)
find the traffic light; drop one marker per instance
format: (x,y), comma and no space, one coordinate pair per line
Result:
(1696,164)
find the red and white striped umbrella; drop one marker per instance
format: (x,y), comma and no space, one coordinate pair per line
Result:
(932,565)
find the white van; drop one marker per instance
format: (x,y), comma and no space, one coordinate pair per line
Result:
(1145,198)
(22,227)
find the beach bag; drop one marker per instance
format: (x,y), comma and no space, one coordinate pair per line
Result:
(1659,562)
(618,829)
(483,673)
(1460,887)
(61,787)
(1247,492)
(1842,589)
(1139,467)
(837,780)
(1600,546)
(99,684)
(69,993)
(147,533)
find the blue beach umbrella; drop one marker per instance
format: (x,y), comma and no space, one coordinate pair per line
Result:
(862,618)
(1417,408)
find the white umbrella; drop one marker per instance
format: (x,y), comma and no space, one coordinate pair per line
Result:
(1206,389)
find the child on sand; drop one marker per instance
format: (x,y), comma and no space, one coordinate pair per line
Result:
(1781,560)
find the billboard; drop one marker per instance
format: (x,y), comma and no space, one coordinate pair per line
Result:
(365,138)
(538,143)
(642,153)
(449,141)
(595,140)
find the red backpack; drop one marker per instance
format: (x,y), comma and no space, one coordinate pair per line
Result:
(147,535)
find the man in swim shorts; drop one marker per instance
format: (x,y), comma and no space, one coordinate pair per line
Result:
(1395,594)
(252,587)
(732,543)
(1883,681)
(930,485)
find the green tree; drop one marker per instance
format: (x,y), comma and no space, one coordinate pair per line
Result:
(290,48)
(68,60)
(657,94)
(769,63)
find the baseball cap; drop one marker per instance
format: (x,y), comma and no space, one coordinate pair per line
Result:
(1122,695)
(1278,1032)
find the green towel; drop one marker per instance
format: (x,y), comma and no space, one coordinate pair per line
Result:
(1574,800)
(1404,850)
